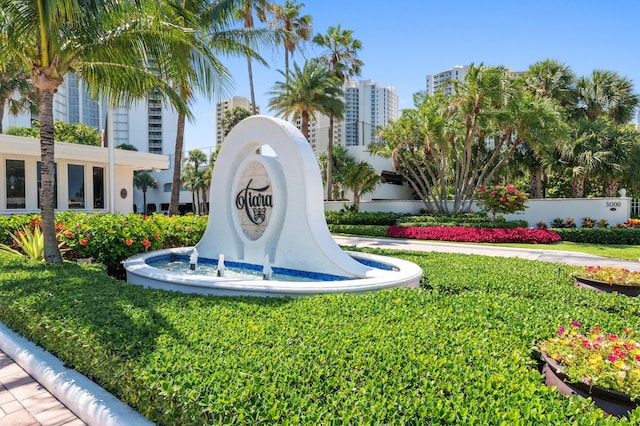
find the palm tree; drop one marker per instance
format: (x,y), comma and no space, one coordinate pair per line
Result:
(193,178)
(341,58)
(97,40)
(295,28)
(245,13)
(606,93)
(554,80)
(232,117)
(143,181)
(360,178)
(198,69)
(309,90)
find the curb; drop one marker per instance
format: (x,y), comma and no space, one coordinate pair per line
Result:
(87,400)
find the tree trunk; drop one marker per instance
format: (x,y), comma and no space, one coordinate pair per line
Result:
(304,123)
(611,188)
(2,102)
(177,167)
(254,109)
(47,159)
(144,202)
(330,161)
(577,187)
(535,185)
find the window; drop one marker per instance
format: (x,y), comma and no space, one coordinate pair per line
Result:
(15,184)
(167,187)
(76,186)
(98,187)
(55,183)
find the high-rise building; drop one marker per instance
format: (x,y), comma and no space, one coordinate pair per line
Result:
(228,105)
(443,80)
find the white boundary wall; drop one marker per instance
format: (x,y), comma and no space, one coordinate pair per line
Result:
(614,210)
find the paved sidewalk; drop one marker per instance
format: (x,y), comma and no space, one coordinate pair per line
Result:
(25,402)
(570,258)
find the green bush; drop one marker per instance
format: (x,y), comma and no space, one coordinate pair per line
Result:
(349,217)
(110,239)
(369,230)
(629,236)
(458,351)
(469,220)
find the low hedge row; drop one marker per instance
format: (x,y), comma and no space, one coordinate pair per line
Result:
(368,230)
(474,224)
(629,236)
(458,353)
(346,217)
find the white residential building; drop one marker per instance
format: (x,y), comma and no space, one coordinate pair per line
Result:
(228,105)
(443,79)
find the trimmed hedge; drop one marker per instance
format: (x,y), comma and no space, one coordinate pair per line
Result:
(628,236)
(346,217)
(458,353)
(369,230)
(472,220)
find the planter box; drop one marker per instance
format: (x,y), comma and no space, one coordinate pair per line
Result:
(602,286)
(610,401)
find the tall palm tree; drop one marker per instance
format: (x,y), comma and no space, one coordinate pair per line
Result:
(97,40)
(309,90)
(554,80)
(143,181)
(295,27)
(245,13)
(341,58)
(199,69)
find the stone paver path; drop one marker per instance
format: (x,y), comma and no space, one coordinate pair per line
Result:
(25,402)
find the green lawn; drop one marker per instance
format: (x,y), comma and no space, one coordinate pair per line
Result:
(460,350)
(626,252)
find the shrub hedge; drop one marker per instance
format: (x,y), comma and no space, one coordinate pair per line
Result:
(458,351)
(369,230)
(630,236)
(347,217)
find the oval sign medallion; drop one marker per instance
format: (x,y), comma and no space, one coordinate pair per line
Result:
(253,201)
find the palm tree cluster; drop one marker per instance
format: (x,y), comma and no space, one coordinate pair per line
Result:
(540,127)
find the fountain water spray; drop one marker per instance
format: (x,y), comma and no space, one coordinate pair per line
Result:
(193,259)
(221,265)
(266,269)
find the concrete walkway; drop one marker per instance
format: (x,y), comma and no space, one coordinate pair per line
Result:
(569,258)
(36,388)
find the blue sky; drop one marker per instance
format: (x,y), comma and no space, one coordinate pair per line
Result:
(406,40)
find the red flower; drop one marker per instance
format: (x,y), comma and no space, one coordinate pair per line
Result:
(146,244)
(68,234)
(83,242)
(612,337)
(129,242)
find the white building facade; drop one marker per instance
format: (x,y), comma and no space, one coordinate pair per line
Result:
(82,176)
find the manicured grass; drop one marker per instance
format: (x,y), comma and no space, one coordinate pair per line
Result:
(457,351)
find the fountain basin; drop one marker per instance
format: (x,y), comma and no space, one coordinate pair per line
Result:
(384,272)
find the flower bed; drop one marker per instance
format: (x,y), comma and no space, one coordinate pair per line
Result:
(476,235)
(596,358)
(610,274)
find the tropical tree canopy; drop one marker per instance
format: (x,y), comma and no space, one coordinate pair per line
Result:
(309,90)
(294,27)
(453,144)
(78,133)
(232,117)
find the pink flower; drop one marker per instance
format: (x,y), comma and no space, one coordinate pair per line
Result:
(612,358)
(561,330)
(576,324)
